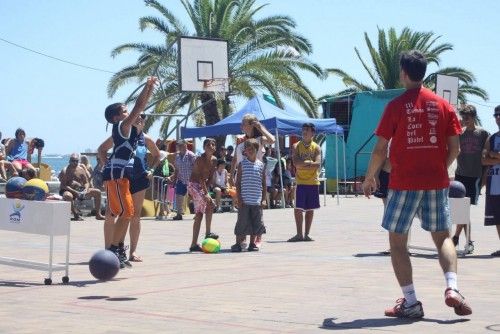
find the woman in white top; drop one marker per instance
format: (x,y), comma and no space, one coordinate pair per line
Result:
(252,128)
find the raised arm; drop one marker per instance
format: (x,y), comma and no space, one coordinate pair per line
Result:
(268,137)
(139,106)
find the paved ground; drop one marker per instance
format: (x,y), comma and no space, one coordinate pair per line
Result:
(338,282)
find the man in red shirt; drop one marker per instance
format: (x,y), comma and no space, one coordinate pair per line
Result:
(423,129)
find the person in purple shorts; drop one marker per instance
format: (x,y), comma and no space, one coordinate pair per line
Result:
(307,160)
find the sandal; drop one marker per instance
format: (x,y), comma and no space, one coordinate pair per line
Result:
(497,253)
(195,248)
(295,238)
(308,238)
(135,258)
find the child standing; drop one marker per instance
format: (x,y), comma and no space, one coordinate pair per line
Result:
(307,161)
(203,170)
(251,188)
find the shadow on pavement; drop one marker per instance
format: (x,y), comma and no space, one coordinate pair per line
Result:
(371,254)
(329,323)
(188,252)
(18,284)
(121,299)
(93,297)
(81,284)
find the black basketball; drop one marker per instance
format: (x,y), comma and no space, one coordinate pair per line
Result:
(456,190)
(104,265)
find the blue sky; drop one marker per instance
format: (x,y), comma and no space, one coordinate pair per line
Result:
(64,104)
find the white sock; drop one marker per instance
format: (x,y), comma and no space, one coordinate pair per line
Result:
(451,280)
(409,294)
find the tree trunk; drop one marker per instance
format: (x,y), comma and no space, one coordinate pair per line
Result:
(212,116)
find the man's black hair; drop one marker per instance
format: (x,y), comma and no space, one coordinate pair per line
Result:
(220,162)
(414,64)
(111,111)
(38,143)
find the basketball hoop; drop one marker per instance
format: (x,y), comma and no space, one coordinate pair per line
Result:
(219,86)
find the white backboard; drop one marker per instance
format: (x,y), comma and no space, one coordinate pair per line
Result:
(203,61)
(447,88)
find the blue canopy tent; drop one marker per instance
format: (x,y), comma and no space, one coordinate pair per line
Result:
(278,121)
(284,122)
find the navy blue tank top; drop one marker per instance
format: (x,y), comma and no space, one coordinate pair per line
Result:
(123,152)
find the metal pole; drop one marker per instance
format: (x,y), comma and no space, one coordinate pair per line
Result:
(337,164)
(279,166)
(189,114)
(177,130)
(345,164)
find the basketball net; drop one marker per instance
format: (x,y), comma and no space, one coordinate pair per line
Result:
(218,86)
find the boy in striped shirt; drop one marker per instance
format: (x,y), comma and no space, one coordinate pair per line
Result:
(251,188)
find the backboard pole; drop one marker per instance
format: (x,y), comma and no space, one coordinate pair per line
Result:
(191,112)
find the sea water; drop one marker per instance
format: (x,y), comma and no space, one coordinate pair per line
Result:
(58,162)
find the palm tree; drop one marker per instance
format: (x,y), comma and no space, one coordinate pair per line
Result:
(384,72)
(264,55)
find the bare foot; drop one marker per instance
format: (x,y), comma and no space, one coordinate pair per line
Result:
(135,258)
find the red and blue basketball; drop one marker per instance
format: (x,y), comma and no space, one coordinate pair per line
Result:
(14,187)
(35,190)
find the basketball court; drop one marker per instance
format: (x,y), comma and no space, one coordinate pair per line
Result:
(338,282)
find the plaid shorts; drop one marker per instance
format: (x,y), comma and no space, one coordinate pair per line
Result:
(431,206)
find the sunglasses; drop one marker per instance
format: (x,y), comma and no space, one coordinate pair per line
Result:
(73,160)
(496,115)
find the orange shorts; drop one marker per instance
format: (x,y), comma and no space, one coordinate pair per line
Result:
(119,198)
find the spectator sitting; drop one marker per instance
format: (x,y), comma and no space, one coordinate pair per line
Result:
(229,157)
(221,153)
(219,183)
(19,151)
(75,185)
(5,164)
(84,162)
